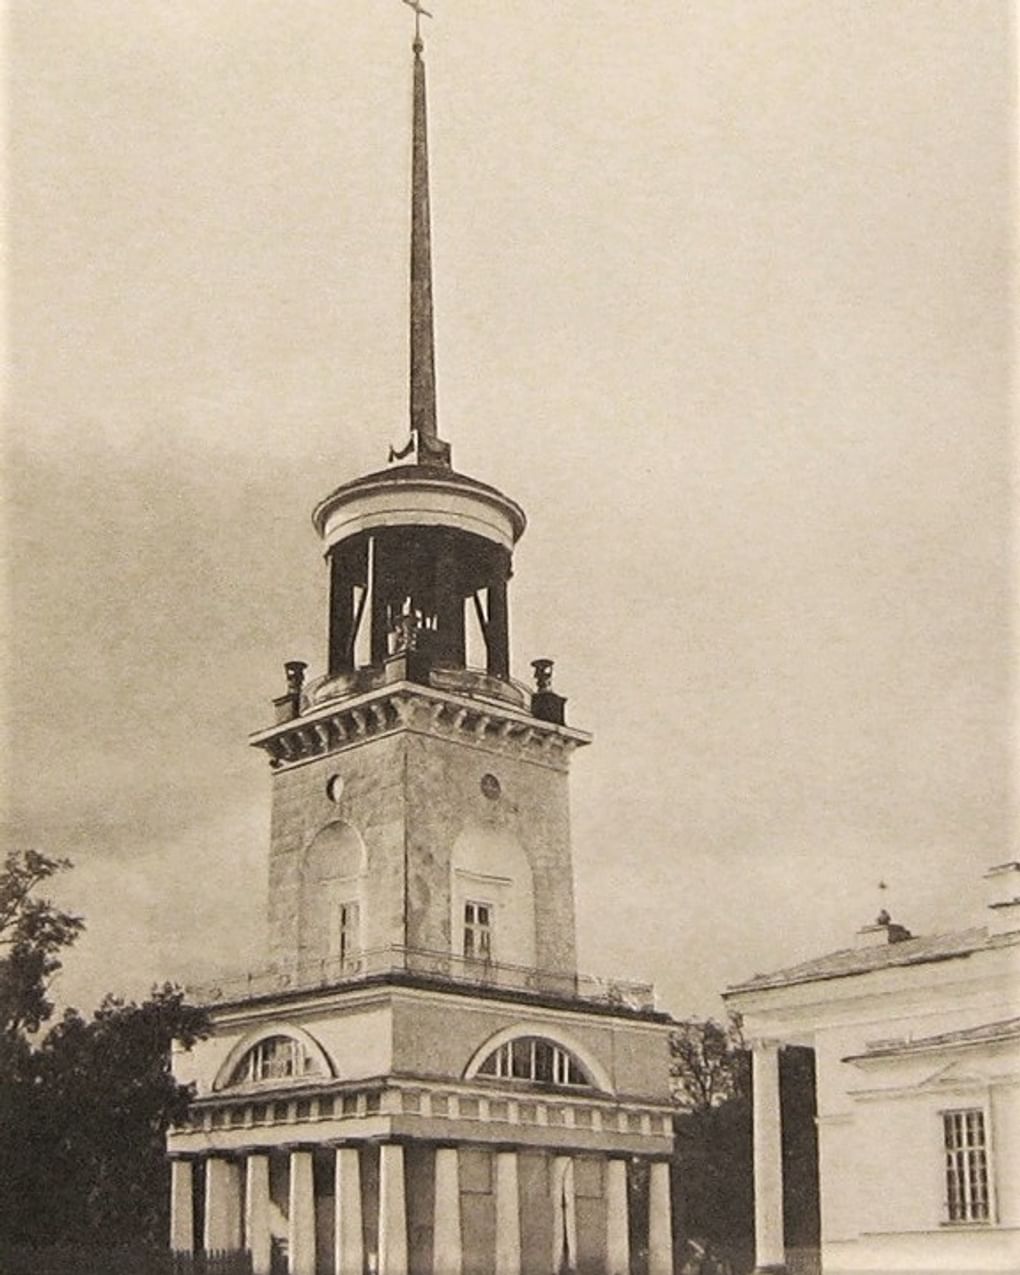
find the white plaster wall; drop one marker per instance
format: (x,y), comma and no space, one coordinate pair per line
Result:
(837,1148)
(979,1253)
(356,1039)
(199,1065)
(1005,1105)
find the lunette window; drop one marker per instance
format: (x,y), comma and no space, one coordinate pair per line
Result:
(275,1058)
(535,1059)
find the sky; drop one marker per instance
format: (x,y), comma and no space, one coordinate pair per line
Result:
(724,297)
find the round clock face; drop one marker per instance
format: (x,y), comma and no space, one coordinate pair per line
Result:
(491,787)
(335,787)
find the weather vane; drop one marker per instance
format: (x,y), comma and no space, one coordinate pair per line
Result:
(419,12)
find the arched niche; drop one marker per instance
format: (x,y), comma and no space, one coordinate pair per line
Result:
(274,1055)
(491,887)
(496,1058)
(331,904)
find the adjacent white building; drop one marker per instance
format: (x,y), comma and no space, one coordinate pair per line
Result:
(917,1054)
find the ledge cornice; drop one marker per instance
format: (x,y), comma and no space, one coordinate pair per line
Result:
(407,706)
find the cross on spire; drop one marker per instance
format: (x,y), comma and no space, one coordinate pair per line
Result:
(419,13)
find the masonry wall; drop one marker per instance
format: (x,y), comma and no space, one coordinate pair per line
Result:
(372,802)
(446,801)
(412,799)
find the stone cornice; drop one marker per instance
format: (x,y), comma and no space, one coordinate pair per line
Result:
(408,706)
(430,1109)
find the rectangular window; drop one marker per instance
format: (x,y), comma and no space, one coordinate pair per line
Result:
(967,1198)
(350,939)
(478,931)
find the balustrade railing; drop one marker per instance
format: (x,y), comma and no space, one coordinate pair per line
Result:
(336,971)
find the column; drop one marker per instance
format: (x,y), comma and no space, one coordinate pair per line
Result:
(769,1248)
(349,1242)
(222,1206)
(301,1231)
(341,608)
(446,1243)
(449,601)
(508,1214)
(564,1214)
(392,1211)
(182,1207)
(617,1234)
(498,637)
(256,1213)
(660,1220)
(379,637)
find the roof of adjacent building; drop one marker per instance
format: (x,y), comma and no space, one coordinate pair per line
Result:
(865,960)
(985,1034)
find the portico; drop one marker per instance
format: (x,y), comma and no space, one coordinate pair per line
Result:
(513,1225)
(416,1174)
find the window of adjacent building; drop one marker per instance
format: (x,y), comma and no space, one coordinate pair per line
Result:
(535,1059)
(478,931)
(349,938)
(275,1058)
(967,1194)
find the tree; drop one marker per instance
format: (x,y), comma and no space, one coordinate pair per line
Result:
(109,1097)
(83,1112)
(710,1063)
(32,932)
(713,1182)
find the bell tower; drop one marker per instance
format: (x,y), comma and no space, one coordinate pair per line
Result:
(419,1079)
(452,778)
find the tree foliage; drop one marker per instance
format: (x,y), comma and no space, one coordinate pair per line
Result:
(110,1097)
(713,1179)
(32,933)
(709,1063)
(84,1111)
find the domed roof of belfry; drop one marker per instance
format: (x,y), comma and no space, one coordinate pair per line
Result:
(418,475)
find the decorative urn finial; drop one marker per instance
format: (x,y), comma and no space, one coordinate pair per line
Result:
(546,705)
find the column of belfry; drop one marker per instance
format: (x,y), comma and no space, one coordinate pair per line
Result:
(419,1079)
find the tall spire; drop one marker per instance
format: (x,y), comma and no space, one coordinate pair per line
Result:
(431,450)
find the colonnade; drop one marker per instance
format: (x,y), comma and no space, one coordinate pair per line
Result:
(237,1212)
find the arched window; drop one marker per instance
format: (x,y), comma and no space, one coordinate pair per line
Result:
(536,1059)
(492,898)
(275,1058)
(330,911)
